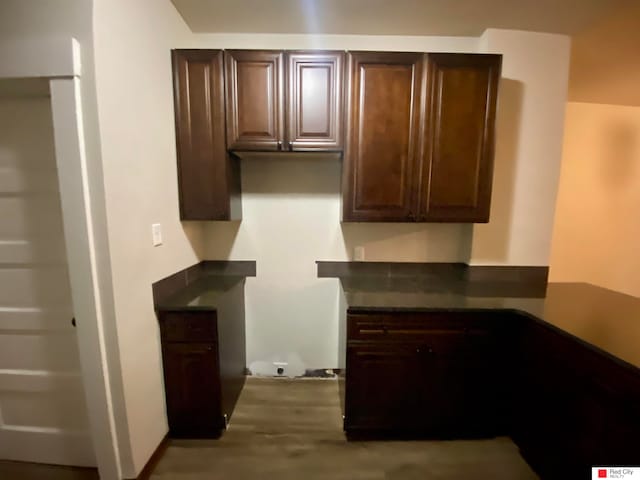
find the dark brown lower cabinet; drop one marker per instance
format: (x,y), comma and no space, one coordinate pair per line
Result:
(576,408)
(204,360)
(425,374)
(378,394)
(568,407)
(193,389)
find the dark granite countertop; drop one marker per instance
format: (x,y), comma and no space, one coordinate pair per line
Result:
(203,294)
(200,286)
(599,317)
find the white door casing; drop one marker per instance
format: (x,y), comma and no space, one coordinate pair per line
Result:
(58,61)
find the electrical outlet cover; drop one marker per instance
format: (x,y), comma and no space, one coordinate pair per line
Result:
(156,231)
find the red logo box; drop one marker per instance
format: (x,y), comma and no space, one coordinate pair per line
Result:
(602,473)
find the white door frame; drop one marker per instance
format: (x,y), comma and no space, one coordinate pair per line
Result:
(58,60)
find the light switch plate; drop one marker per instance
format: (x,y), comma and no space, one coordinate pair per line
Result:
(358,254)
(156,230)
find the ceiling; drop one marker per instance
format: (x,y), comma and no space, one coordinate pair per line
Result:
(393,17)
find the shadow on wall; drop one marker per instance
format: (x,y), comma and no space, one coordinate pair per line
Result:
(618,153)
(274,188)
(291,174)
(196,234)
(491,241)
(409,242)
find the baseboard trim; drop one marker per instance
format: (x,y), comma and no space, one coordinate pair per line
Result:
(151,464)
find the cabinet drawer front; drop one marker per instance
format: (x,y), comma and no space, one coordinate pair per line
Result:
(188,327)
(418,327)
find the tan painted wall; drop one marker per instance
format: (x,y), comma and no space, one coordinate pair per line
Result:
(605,60)
(597,226)
(132,43)
(529,124)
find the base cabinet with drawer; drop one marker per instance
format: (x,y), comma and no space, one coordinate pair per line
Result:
(437,375)
(203,354)
(452,374)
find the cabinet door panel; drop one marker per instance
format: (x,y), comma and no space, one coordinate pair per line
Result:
(385,92)
(254,99)
(382,387)
(203,168)
(458,169)
(192,389)
(314,101)
(464,385)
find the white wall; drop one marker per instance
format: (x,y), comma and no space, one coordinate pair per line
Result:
(530,122)
(292,208)
(135,108)
(597,224)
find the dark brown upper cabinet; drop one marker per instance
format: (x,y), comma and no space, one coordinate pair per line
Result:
(254,92)
(314,100)
(458,163)
(385,97)
(284,100)
(420,133)
(419,127)
(208,179)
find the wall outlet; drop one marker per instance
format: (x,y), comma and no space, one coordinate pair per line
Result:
(358,254)
(280,367)
(156,231)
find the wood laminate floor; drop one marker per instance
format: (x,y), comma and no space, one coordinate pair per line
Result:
(34,471)
(292,430)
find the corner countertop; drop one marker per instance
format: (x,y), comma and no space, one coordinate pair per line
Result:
(200,286)
(203,294)
(605,319)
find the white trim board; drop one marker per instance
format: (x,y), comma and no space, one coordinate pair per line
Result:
(38,57)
